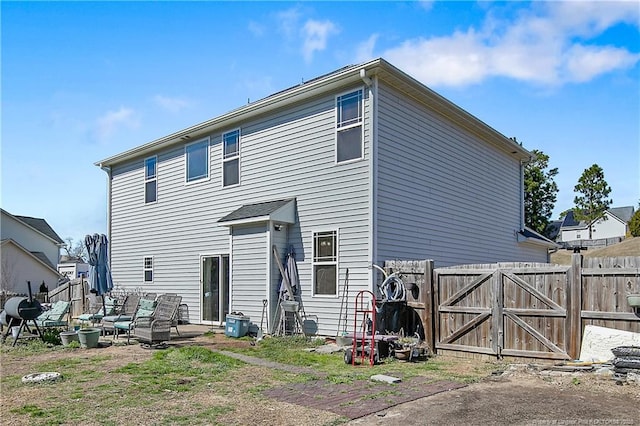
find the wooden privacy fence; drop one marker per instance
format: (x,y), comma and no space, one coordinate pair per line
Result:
(521,309)
(76,292)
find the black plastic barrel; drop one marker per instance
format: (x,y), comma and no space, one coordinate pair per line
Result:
(21,307)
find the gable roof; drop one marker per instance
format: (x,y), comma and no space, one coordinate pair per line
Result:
(34,255)
(39,225)
(349,75)
(621,213)
(278,211)
(553,229)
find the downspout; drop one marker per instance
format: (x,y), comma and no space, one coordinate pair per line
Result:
(270,257)
(108,170)
(522,220)
(522,212)
(373,175)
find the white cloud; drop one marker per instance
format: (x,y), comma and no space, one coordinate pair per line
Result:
(548,44)
(287,21)
(112,121)
(426,4)
(256,29)
(582,63)
(364,51)
(315,35)
(171,104)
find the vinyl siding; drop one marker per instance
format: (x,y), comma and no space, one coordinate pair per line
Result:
(29,239)
(610,228)
(248,265)
(291,155)
(18,267)
(442,193)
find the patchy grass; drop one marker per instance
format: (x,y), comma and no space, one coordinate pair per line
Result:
(179,370)
(295,351)
(90,387)
(188,384)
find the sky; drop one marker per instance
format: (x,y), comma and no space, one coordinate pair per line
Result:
(82,81)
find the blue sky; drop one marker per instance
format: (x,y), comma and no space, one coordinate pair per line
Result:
(82,81)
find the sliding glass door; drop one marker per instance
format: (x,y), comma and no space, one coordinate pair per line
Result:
(215,288)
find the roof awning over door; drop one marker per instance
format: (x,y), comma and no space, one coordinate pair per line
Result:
(528,235)
(280,211)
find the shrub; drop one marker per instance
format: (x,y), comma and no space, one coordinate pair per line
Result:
(51,336)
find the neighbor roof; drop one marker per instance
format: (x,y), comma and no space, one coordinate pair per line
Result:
(39,225)
(377,68)
(622,213)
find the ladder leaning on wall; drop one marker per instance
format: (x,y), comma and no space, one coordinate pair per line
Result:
(286,306)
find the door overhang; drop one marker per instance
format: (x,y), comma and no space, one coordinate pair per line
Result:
(279,211)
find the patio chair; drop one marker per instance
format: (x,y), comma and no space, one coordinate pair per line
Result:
(54,316)
(145,309)
(157,327)
(109,303)
(174,299)
(126,313)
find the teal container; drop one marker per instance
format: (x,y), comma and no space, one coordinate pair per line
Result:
(236,325)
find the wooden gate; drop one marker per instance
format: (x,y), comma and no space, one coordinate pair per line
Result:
(503,309)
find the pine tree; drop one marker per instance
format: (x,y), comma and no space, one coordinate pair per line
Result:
(540,192)
(592,201)
(634,223)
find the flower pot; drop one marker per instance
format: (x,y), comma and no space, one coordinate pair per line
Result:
(88,337)
(68,336)
(633,300)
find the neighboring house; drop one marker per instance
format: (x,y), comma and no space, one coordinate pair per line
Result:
(30,252)
(73,267)
(553,230)
(616,225)
(352,168)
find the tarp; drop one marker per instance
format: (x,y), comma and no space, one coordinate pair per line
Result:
(291,271)
(99,270)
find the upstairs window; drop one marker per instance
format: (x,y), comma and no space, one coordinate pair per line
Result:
(148,269)
(231,158)
(349,127)
(197,159)
(325,263)
(150,180)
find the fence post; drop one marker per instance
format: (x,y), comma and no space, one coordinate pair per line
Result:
(497,317)
(574,305)
(430,310)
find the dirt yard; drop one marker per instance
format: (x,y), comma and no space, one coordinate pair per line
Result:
(520,394)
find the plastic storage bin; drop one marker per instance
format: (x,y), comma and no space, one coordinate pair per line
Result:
(236,326)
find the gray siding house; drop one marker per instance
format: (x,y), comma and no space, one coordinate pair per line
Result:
(30,251)
(352,168)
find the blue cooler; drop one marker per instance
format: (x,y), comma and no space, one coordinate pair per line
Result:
(236,325)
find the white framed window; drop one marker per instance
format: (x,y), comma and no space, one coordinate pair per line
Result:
(197,160)
(325,263)
(147,267)
(231,158)
(349,139)
(150,180)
